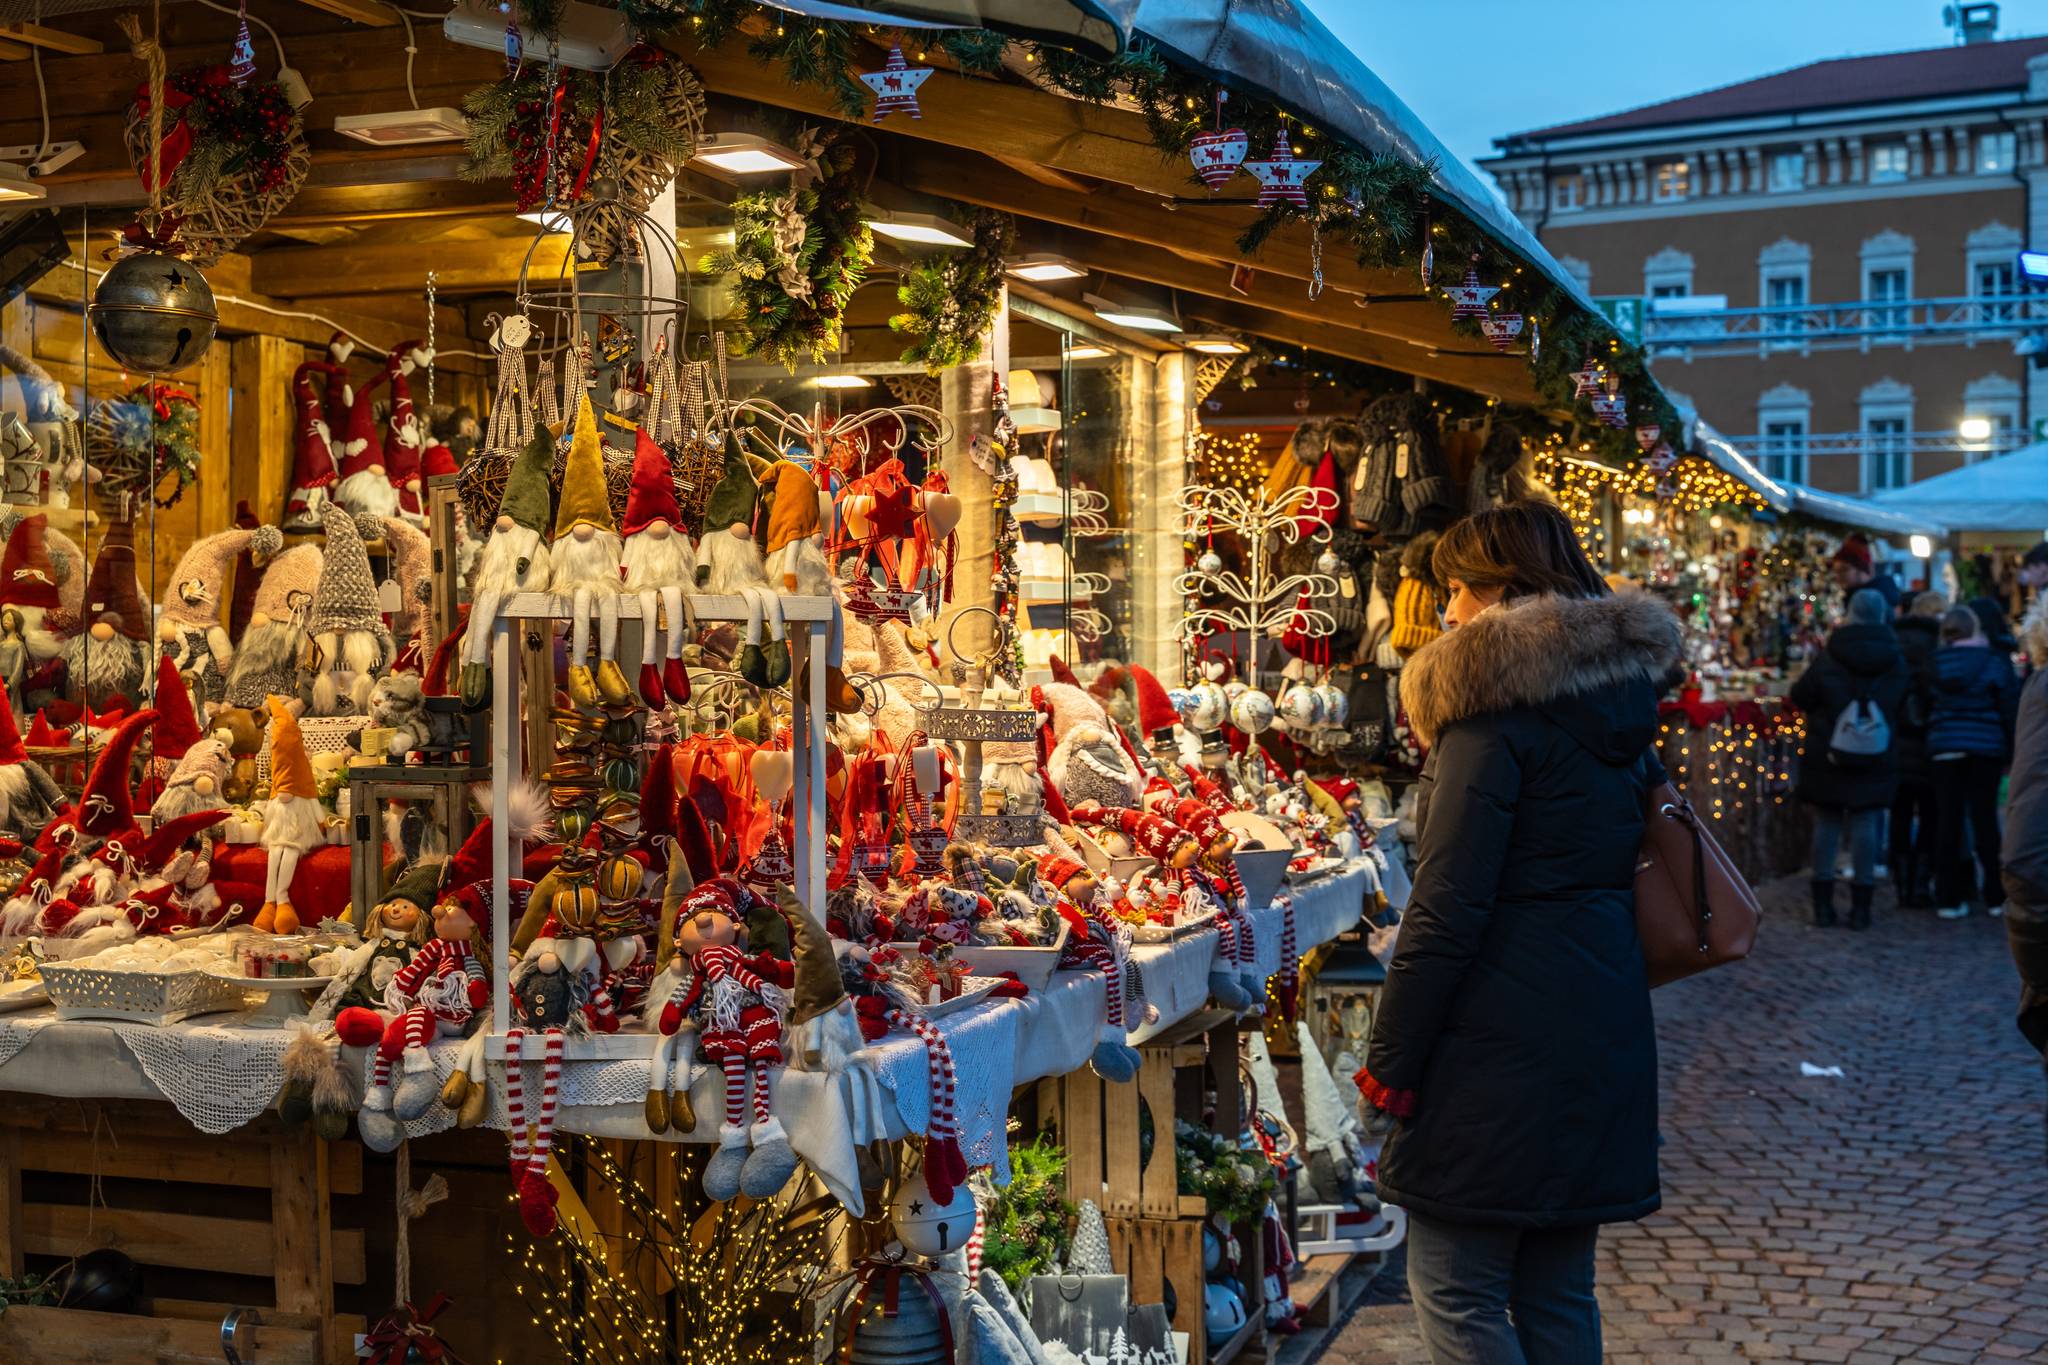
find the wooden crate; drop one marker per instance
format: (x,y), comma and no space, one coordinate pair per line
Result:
(217,1216)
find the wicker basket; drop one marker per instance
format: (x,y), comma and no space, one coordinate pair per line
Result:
(81,992)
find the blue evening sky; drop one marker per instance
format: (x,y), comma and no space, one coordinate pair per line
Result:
(1475,69)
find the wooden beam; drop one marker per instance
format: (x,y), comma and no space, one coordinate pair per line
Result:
(357,11)
(53,40)
(13,52)
(329,271)
(1502,376)
(1045,175)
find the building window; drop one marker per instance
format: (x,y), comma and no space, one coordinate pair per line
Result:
(1993,274)
(1568,192)
(1887,460)
(1996,152)
(1673,181)
(1991,417)
(1888,163)
(1887,261)
(1788,172)
(1785,450)
(1668,274)
(1678,290)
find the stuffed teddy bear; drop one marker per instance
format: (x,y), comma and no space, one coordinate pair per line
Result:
(241,729)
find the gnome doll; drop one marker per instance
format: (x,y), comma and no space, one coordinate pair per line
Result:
(659,562)
(404,433)
(29,577)
(104,811)
(313,467)
(189,628)
(354,645)
(108,656)
(29,797)
(274,644)
(729,561)
(514,559)
(365,485)
(798,518)
(586,568)
(293,824)
(412,565)
(195,781)
(177,727)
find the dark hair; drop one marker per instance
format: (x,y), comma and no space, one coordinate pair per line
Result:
(1523,548)
(2036,557)
(1960,623)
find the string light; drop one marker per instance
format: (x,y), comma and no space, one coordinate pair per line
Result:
(1224,461)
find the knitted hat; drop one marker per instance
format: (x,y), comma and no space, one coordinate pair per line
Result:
(526,498)
(107,804)
(1197,818)
(1154,836)
(243,602)
(1059,870)
(1416,619)
(361,451)
(207,564)
(1069,706)
(179,728)
(437,460)
(28,575)
(1064,675)
(733,501)
(792,497)
(1855,552)
(584,500)
(346,598)
(112,594)
(297,570)
(412,558)
(41,733)
(12,750)
(653,494)
(291,772)
(1155,712)
(418,884)
(312,442)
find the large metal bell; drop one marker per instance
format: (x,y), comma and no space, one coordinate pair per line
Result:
(154,314)
(911,1337)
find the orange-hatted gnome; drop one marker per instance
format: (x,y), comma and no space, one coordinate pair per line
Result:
(294,823)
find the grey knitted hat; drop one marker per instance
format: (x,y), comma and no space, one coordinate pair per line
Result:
(347,596)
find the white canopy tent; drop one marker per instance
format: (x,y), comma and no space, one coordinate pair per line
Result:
(2008,493)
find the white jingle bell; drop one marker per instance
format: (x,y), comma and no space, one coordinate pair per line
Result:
(928,1227)
(1252,712)
(1210,562)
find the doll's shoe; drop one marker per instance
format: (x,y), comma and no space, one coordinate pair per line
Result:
(380,1131)
(475,687)
(266,919)
(682,1115)
(473,1106)
(772,1164)
(650,687)
(752,665)
(722,1172)
(611,684)
(655,1112)
(286,919)
(675,679)
(583,687)
(778,662)
(455,1090)
(1225,991)
(417,1087)
(1115,1062)
(841,697)
(330,1122)
(537,1197)
(295,1101)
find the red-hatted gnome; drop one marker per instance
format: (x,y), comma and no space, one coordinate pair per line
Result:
(405,435)
(29,583)
(1178,854)
(29,797)
(659,562)
(189,628)
(434,995)
(176,730)
(66,847)
(294,823)
(341,393)
(365,485)
(314,471)
(514,559)
(107,658)
(1097,939)
(586,567)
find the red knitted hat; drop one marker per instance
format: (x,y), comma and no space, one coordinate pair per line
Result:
(1152,835)
(107,805)
(28,576)
(178,725)
(437,461)
(41,733)
(1198,819)
(362,451)
(652,496)
(112,591)
(1155,712)
(312,449)
(1058,870)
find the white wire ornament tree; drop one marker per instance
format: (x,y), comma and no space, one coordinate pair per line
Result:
(1260,603)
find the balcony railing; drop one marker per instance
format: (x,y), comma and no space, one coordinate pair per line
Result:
(1903,448)
(1831,325)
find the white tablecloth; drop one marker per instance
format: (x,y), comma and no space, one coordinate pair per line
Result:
(221,1074)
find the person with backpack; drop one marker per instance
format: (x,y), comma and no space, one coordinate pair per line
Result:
(1851,695)
(1969,742)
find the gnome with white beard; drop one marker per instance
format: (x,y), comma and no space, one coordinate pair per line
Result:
(108,656)
(514,559)
(189,628)
(313,467)
(29,797)
(659,562)
(294,822)
(405,436)
(798,515)
(274,643)
(586,564)
(29,583)
(354,645)
(729,562)
(365,486)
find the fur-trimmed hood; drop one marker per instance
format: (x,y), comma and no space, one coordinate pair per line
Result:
(1536,651)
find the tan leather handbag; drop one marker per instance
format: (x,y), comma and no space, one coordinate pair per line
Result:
(1693,909)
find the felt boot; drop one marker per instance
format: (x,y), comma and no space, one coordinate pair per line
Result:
(1115,1062)
(537,1198)
(778,662)
(475,684)
(418,1087)
(675,678)
(583,687)
(611,684)
(284,920)
(1859,905)
(1823,903)
(655,1110)
(772,1163)
(841,697)
(722,1172)
(1225,990)
(650,687)
(266,919)
(682,1115)
(752,665)
(380,1131)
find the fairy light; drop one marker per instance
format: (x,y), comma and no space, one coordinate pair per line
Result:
(1226,461)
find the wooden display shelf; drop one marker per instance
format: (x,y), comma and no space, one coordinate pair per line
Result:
(1314,1287)
(547,606)
(174,1332)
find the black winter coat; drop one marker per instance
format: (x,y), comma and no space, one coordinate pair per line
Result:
(1860,662)
(1516,1006)
(1919,637)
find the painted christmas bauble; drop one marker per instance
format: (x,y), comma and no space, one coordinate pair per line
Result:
(1210,562)
(1335,704)
(154,314)
(913,1335)
(1327,563)
(1211,706)
(1252,712)
(927,1226)
(1298,705)
(1222,1310)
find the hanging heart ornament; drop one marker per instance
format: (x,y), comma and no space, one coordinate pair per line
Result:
(1217,156)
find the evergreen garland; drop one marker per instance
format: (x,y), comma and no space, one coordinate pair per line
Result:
(789,291)
(1025,1225)
(1237,1184)
(951,297)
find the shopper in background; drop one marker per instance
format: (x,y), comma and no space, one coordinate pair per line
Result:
(2026,839)
(1911,851)
(1514,1043)
(1854,570)
(1969,739)
(1992,620)
(1852,694)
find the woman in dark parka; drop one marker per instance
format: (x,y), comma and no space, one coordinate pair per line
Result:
(1514,1042)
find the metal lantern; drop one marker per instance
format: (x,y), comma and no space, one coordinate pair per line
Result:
(154,314)
(912,1335)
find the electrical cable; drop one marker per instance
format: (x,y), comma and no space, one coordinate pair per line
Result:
(411,51)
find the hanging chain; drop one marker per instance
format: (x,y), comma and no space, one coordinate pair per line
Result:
(431,311)
(554,111)
(1315,259)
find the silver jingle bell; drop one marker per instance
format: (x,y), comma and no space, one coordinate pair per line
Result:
(154,314)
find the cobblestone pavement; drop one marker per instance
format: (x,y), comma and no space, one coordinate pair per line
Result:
(1899,1213)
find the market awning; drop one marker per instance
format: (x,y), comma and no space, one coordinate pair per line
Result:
(1725,456)
(1865,515)
(2006,493)
(1278,47)
(1094,28)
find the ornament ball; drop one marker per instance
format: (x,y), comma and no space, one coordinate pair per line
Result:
(154,314)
